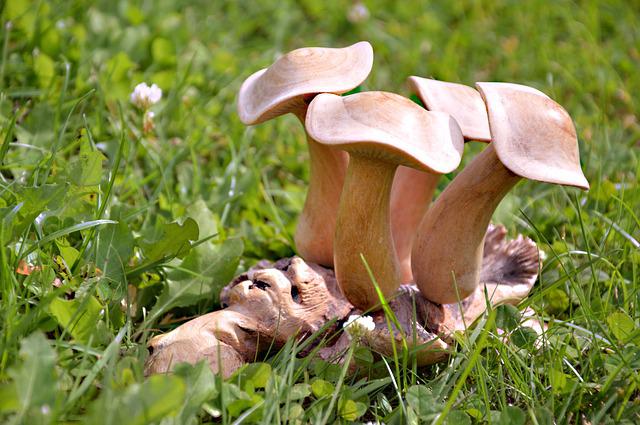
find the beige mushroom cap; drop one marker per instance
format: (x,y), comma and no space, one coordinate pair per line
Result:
(279,89)
(388,127)
(533,136)
(464,103)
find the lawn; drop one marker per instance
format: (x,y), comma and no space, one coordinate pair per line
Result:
(115,227)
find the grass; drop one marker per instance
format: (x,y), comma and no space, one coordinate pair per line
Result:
(94,210)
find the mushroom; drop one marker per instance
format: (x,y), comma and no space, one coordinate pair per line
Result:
(411,194)
(380,131)
(412,189)
(462,102)
(287,86)
(532,137)
(509,270)
(290,298)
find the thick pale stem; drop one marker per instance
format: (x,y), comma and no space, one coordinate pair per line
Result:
(317,223)
(447,252)
(363,228)
(411,195)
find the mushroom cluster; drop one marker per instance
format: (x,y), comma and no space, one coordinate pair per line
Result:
(375,161)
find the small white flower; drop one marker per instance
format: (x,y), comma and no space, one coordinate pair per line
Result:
(144,96)
(542,255)
(358,326)
(358,13)
(45,409)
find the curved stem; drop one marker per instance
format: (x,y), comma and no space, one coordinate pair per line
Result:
(317,222)
(447,251)
(363,227)
(411,195)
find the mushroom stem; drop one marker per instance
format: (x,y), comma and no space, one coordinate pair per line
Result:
(448,249)
(411,194)
(362,227)
(317,223)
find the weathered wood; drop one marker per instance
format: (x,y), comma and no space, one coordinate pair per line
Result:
(265,306)
(290,298)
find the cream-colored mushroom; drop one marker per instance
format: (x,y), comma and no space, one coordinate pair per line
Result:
(412,189)
(532,137)
(462,102)
(287,86)
(411,195)
(380,131)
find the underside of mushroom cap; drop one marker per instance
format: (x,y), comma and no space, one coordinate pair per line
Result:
(277,90)
(533,136)
(387,127)
(462,102)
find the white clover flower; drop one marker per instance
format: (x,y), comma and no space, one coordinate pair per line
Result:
(542,254)
(358,326)
(144,96)
(358,13)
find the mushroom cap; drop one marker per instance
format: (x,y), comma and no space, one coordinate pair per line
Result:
(280,88)
(533,136)
(464,103)
(388,127)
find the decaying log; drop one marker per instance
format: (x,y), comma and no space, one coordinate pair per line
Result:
(293,299)
(265,306)
(224,338)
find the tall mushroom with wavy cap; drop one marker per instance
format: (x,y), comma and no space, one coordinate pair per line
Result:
(287,86)
(532,137)
(380,131)
(412,189)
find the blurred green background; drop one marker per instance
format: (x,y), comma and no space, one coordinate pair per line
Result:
(74,152)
